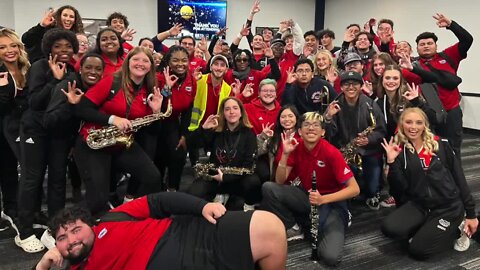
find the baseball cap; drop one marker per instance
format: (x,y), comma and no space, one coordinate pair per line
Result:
(351,76)
(277,40)
(219,57)
(351,57)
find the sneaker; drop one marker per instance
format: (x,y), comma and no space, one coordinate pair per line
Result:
(295,233)
(373,203)
(388,202)
(47,240)
(40,221)
(462,243)
(349,219)
(221,198)
(248,207)
(128,198)
(9,218)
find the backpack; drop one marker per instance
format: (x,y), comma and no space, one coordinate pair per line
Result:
(430,93)
(446,79)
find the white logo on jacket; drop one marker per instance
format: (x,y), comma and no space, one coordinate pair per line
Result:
(102,233)
(320,163)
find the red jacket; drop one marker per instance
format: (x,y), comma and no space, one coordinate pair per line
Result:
(258,115)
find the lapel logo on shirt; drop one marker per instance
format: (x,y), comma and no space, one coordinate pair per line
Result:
(250,78)
(188,88)
(443,61)
(260,118)
(144,100)
(193,63)
(320,163)
(102,233)
(346,170)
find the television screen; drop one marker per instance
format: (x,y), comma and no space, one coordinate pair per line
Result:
(199,18)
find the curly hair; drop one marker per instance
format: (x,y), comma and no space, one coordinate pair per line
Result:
(23,63)
(428,138)
(117,15)
(67,216)
(77,24)
(166,58)
(55,34)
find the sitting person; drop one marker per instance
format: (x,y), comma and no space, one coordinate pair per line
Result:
(167,231)
(233,145)
(335,185)
(429,186)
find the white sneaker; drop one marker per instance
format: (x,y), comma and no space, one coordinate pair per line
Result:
(47,240)
(248,207)
(462,243)
(9,219)
(221,198)
(127,199)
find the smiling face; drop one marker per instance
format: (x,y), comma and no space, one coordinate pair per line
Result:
(311,131)
(109,43)
(118,25)
(402,47)
(311,41)
(257,42)
(413,126)
(362,43)
(232,112)
(218,69)
(146,43)
(391,80)
(139,66)
(242,61)
(267,94)
(9,51)
(178,63)
(63,49)
(74,241)
(288,120)
(351,90)
(189,44)
(67,18)
(267,34)
(323,62)
(378,66)
(82,44)
(91,71)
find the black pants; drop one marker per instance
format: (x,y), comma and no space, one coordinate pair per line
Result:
(168,156)
(8,175)
(262,168)
(38,153)
(248,187)
(95,170)
(453,129)
(431,232)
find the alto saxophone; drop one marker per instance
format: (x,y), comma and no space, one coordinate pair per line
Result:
(111,135)
(350,151)
(206,170)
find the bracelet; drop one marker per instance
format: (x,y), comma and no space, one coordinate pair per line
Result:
(110,119)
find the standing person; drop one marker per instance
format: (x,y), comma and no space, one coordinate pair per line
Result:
(234,145)
(110,46)
(66,17)
(119,22)
(83,46)
(181,86)
(327,37)
(270,144)
(137,96)
(347,119)
(14,66)
(168,231)
(325,66)
(375,72)
(305,91)
(445,64)
(189,44)
(428,183)
(40,147)
(335,185)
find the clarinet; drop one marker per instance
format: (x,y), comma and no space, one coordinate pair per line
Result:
(314,221)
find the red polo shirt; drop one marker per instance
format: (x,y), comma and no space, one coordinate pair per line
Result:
(110,67)
(182,94)
(195,62)
(331,169)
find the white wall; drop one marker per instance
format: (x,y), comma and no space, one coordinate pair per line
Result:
(411,17)
(6,14)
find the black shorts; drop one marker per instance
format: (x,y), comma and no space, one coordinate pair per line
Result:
(194,243)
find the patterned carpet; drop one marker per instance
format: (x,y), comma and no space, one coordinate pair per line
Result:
(365,248)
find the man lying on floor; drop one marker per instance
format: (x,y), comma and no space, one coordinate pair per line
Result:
(167,231)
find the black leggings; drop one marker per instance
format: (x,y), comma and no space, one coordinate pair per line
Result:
(38,153)
(431,232)
(95,170)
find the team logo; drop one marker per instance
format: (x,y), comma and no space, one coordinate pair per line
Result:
(317,97)
(260,118)
(250,78)
(188,88)
(102,233)
(320,163)
(443,61)
(346,170)
(193,63)
(144,100)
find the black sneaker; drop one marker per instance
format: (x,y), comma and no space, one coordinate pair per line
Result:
(373,203)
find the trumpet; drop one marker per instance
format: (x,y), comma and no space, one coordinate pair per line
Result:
(111,135)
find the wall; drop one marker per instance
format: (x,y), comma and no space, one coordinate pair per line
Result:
(412,17)
(6,14)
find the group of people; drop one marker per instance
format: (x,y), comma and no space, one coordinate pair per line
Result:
(290,110)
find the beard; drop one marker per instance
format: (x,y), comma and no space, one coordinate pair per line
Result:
(81,256)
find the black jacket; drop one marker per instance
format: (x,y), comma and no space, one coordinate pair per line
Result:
(236,148)
(337,131)
(7,93)
(33,42)
(311,98)
(442,184)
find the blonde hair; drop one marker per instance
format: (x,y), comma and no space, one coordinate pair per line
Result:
(329,56)
(22,62)
(428,139)
(221,115)
(150,79)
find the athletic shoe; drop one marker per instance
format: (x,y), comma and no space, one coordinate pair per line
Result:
(47,240)
(462,243)
(40,221)
(373,203)
(128,198)
(221,198)
(295,233)
(388,202)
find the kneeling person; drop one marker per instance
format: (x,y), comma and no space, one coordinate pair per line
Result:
(144,234)
(335,184)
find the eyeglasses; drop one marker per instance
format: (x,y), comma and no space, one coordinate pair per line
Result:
(311,125)
(186,44)
(268,91)
(303,71)
(352,64)
(240,60)
(84,43)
